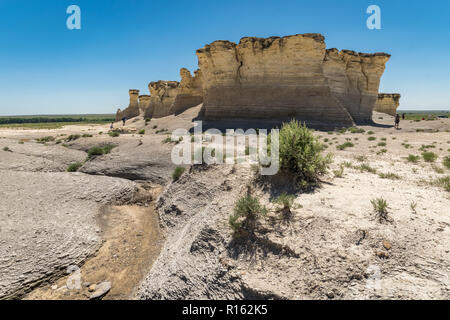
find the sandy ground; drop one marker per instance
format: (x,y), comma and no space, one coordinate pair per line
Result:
(330,249)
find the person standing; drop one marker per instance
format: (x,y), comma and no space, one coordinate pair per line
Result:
(397,121)
(124,119)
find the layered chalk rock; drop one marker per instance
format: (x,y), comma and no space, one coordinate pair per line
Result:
(144,103)
(283,78)
(388,103)
(190,91)
(162,98)
(133,108)
(354,79)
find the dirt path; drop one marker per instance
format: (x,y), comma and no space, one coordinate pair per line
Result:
(131,244)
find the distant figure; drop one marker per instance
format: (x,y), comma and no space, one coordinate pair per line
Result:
(403,116)
(124,119)
(397,121)
(112,125)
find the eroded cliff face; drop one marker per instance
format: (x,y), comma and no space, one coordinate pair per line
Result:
(162,98)
(388,103)
(190,91)
(133,107)
(293,76)
(354,79)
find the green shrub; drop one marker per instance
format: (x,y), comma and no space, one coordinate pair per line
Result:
(382,144)
(300,153)
(365,167)
(6,149)
(245,214)
(372,138)
(446,162)
(98,151)
(345,146)
(380,206)
(389,175)
(370,132)
(177,173)
(412,158)
(340,172)
(286,200)
(74,167)
(429,156)
(87,135)
(45,139)
(443,182)
(73,137)
(356,130)
(114,134)
(155,126)
(141,131)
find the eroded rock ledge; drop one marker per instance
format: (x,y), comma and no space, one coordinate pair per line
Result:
(388,103)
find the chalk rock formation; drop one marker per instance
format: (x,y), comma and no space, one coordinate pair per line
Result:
(133,108)
(162,98)
(354,78)
(144,103)
(388,103)
(293,76)
(190,91)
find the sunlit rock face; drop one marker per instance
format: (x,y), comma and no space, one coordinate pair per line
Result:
(388,103)
(190,91)
(289,77)
(133,107)
(162,98)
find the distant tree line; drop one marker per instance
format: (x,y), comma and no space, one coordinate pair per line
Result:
(17,120)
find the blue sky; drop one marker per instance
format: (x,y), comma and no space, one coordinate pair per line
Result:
(47,69)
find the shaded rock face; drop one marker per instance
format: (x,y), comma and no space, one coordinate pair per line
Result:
(144,103)
(354,79)
(133,108)
(162,98)
(388,103)
(293,76)
(190,91)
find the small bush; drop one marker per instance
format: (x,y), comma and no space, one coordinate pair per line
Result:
(300,153)
(74,167)
(382,144)
(429,156)
(390,176)
(345,146)
(437,169)
(412,158)
(340,172)
(45,139)
(366,168)
(446,162)
(443,182)
(370,132)
(98,151)
(161,131)
(356,130)
(177,173)
(380,206)
(87,135)
(155,126)
(73,137)
(141,131)
(286,200)
(6,149)
(114,134)
(245,214)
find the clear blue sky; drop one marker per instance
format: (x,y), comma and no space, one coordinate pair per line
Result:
(47,69)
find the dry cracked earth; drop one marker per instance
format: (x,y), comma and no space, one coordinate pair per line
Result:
(120,228)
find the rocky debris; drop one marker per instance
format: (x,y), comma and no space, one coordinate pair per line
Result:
(293,76)
(100,290)
(388,103)
(133,108)
(48,223)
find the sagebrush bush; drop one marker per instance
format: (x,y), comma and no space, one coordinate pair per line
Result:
(300,153)
(446,162)
(245,214)
(141,131)
(114,134)
(177,173)
(73,137)
(286,200)
(443,182)
(45,139)
(429,156)
(74,167)
(345,146)
(412,158)
(98,151)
